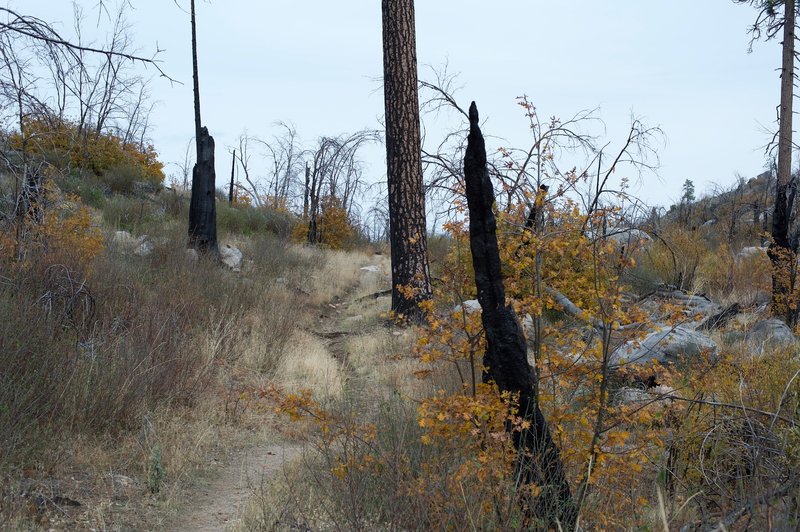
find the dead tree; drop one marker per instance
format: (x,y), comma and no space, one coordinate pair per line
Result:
(778,18)
(203,206)
(506,357)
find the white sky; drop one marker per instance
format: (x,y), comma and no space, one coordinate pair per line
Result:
(679,64)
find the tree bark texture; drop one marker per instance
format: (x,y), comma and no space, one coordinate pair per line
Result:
(506,357)
(407,227)
(203,208)
(781,252)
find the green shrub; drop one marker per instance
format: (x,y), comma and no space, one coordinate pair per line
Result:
(128,213)
(253,220)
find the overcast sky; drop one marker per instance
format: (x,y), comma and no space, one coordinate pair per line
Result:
(679,64)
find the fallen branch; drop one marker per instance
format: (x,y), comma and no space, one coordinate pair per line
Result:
(575,311)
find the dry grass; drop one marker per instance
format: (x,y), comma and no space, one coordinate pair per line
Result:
(308,364)
(147,380)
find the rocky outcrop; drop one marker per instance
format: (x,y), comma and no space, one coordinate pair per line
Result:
(693,306)
(665,345)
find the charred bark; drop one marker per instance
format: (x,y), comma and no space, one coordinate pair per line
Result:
(233,171)
(203,208)
(407,227)
(781,253)
(506,357)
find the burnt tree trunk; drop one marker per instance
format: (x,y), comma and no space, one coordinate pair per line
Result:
(407,228)
(203,207)
(305,192)
(506,357)
(780,250)
(233,171)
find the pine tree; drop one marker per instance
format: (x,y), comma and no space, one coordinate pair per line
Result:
(411,282)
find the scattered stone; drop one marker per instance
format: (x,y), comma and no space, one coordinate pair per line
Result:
(121,481)
(231,257)
(708,223)
(666,345)
(371,269)
(145,247)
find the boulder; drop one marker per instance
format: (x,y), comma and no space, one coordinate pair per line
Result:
(628,237)
(470,305)
(665,345)
(770,333)
(123,241)
(192,255)
(231,257)
(692,305)
(751,251)
(144,248)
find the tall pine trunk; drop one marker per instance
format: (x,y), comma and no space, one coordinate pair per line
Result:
(781,252)
(411,281)
(203,208)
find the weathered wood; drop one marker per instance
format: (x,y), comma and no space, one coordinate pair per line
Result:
(506,356)
(720,319)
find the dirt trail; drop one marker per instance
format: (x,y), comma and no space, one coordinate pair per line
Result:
(218,505)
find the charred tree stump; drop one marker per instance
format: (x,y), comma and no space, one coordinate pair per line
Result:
(506,357)
(203,208)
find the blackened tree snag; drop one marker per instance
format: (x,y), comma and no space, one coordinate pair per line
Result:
(202,210)
(203,207)
(233,171)
(506,357)
(411,279)
(781,252)
(772,22)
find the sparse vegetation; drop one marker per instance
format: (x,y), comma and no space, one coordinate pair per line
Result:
(576,360)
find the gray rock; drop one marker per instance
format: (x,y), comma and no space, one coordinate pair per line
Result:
(628,237)
(231,257)
(751,251)
(145,246)
(124,241)
(667,345)
(470,305)
(191,255)
(693,305)
(770,333)
(371,269)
